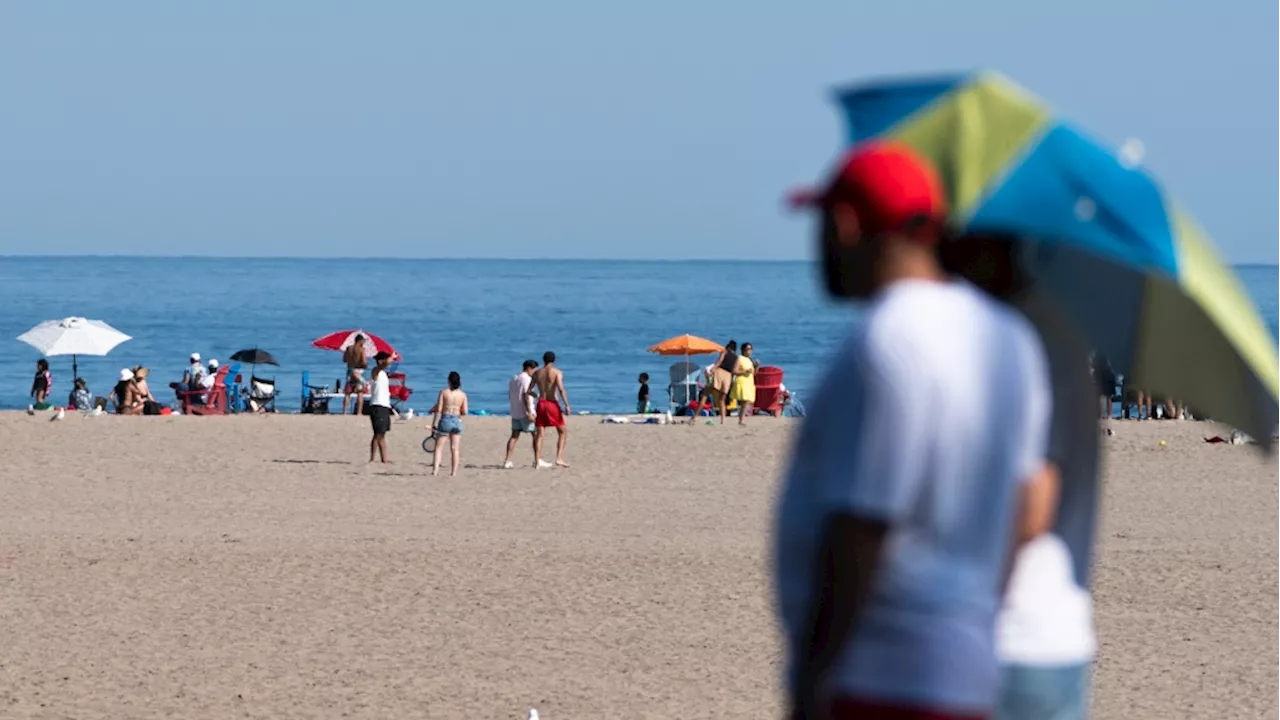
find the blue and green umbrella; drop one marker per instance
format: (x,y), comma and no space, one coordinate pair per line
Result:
(1102,237)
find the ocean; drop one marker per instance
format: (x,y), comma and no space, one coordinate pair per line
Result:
(481,318)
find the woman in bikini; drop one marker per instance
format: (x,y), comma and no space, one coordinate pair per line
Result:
(446,419)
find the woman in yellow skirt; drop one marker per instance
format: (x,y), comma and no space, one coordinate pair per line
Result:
(744,383)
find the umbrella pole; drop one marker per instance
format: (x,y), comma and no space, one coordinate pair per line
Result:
(75,371)
(685,382)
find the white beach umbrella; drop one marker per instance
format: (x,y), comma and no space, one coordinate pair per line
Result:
(73,336)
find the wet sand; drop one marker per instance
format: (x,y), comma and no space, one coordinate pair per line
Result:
(258,567)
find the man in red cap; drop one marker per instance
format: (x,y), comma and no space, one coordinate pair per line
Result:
(927,438)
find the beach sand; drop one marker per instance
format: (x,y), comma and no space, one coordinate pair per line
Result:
(258,567)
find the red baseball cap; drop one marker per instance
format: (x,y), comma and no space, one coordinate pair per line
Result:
(890,185)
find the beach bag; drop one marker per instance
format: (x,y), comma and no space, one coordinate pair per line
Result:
(152,407)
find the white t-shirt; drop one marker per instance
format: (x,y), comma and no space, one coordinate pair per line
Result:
(516,395)
(380,394)
(1047,617)
(928,418)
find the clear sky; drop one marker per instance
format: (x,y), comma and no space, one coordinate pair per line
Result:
(565,129)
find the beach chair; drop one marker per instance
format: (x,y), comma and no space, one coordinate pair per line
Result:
(315,398)
(400,392)
(683,386)
(261,392)
(235,387)
(769,390)
(207,402)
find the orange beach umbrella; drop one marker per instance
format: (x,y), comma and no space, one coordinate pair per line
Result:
(686,345)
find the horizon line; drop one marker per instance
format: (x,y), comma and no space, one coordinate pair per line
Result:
(383,258)
(393,258)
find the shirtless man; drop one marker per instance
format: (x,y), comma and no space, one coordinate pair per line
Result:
(548,388)
(356,361)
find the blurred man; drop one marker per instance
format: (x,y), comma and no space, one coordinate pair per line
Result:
(1045,636)
(894,527)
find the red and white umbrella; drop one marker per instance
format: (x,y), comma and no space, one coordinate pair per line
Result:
(343,339)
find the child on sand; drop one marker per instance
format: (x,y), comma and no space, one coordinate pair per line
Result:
(41,386)
(642,399)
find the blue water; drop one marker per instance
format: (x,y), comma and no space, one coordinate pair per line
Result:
(479,317)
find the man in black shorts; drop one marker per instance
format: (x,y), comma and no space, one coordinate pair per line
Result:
(380,407)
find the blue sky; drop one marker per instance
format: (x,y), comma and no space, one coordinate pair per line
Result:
(565,129)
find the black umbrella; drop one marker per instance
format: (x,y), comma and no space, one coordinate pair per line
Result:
(254,357)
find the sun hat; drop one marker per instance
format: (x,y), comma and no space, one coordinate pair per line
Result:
(195,357)
(213,363)
(890,186)
(126,375)
(141,373)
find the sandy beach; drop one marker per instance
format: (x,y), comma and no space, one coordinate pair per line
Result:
(257,567)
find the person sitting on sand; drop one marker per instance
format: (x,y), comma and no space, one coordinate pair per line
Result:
(142,391)
(125,395)
(80,397)
(548,388)
(446,419)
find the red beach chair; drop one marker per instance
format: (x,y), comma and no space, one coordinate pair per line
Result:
(769,390)
(214,401)
(400,393)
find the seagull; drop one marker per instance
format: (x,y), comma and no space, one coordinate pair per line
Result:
(533,714)
(58,415)
(31,409)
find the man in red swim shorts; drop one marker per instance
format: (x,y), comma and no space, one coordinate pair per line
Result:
(548,388)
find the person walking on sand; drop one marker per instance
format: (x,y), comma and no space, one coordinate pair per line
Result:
(923,448)
(380,407)
(446,419)
(548,388)
(356,362)
(522,410)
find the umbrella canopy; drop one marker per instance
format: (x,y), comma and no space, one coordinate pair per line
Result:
(1137,274)
(254,357)
(686,345)
(73,336)
(343,339)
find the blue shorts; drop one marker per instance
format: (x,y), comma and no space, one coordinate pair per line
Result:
(1052,693)
(519,425)
(449,425)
